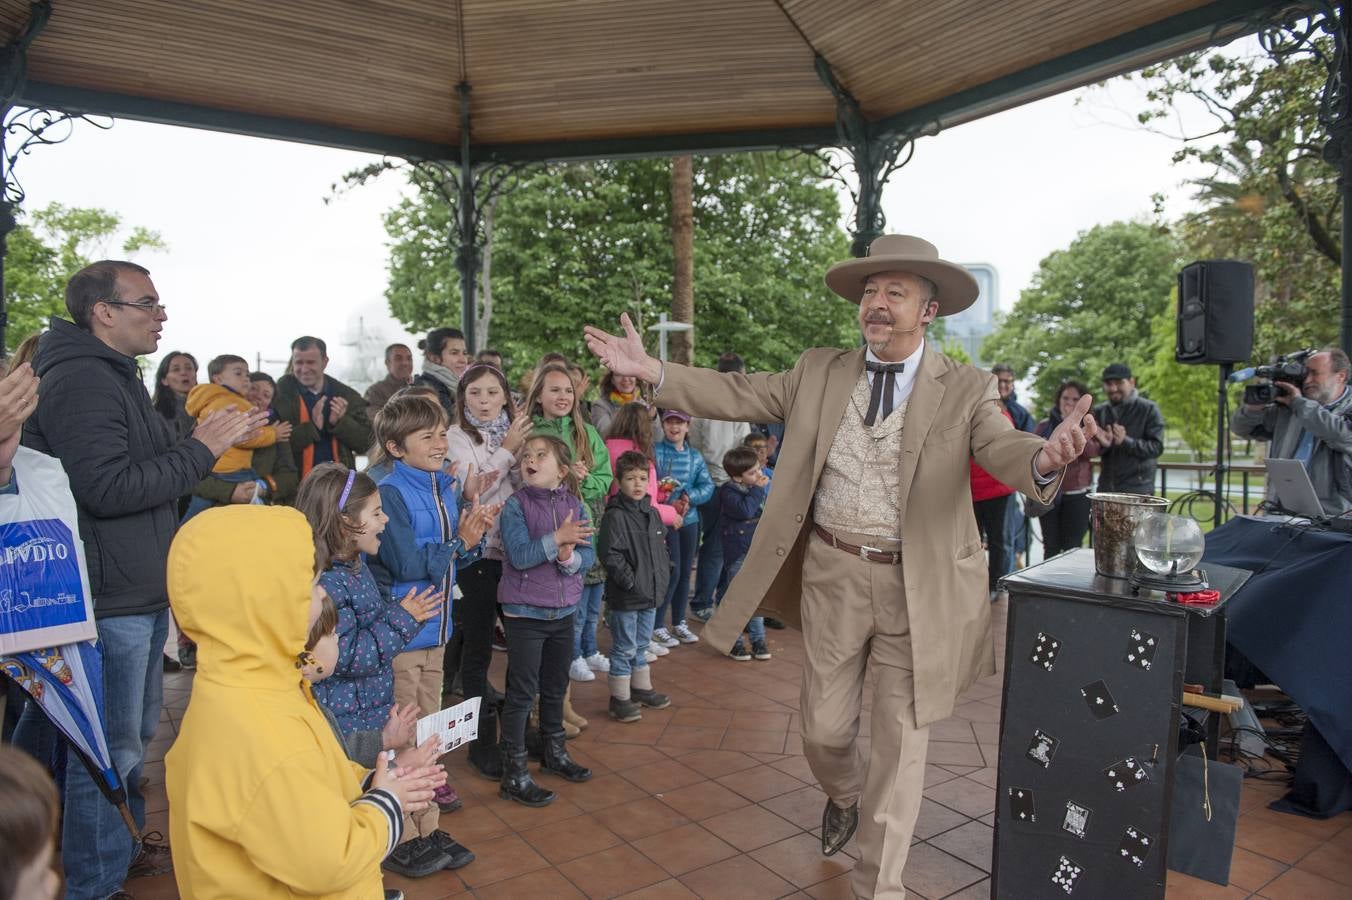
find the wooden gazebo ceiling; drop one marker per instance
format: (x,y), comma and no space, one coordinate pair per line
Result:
(574,78)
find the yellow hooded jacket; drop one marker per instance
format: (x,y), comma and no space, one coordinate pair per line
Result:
(263,803)
(205,399)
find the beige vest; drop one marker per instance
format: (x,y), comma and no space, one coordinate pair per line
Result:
(860,488)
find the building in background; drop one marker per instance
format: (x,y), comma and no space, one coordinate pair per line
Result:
(969,328)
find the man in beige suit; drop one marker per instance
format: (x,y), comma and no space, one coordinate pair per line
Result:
(868,541)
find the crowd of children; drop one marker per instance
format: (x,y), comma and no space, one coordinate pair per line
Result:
(310,680)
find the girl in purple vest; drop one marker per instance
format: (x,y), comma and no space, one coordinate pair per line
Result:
(546,538)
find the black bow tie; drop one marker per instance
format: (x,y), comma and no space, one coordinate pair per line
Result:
(883,389)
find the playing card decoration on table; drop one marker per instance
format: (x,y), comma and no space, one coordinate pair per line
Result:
(1140,649)
(1066,874)
(1021,804)
(1042,748)
(1135,846)
(1099,700)
(1045,650)
(1125,773)
(1077,819)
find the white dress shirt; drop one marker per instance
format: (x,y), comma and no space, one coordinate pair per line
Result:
(905,379)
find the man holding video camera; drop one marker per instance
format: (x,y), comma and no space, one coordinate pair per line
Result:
(1312,424)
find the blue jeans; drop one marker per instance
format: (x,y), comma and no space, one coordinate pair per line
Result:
(710,555)
(631,632)
(756,627)
(584,620)
(96,847)
(1014,532)
(681,548)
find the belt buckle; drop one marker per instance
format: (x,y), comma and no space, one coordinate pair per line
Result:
(865,551)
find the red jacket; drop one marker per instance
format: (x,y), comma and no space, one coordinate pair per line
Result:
(984,485)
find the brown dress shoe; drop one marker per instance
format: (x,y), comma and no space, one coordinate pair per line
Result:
(838,826)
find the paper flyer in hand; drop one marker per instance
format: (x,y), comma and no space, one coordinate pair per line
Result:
(453,726)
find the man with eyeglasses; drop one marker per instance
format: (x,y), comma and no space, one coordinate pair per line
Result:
(127,472)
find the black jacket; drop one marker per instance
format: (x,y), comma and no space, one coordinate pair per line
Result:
(1130,467)
(633,548)
(125,468)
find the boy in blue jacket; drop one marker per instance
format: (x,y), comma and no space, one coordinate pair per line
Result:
(740,501)
(428,534)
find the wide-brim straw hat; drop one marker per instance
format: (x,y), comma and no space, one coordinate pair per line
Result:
(957,289)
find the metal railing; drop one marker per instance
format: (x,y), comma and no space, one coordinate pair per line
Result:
(1198,478)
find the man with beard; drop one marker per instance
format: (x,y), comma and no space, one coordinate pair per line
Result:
(1132,435)
(1313,425)
(868,541)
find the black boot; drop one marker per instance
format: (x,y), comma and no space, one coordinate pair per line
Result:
(557,760)
(534,745)
(516,781)
(483,751)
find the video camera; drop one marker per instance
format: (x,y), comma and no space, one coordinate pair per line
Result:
(1289,368)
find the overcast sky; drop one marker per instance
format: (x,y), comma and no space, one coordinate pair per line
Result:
(256,257)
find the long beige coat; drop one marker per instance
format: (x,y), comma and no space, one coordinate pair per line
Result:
(954,413)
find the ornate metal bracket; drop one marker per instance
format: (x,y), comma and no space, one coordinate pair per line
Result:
(24,129)
(1299,31)
(873,157)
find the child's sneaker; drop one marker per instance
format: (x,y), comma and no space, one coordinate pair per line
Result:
(460,854)
(703,615)
(648,654)
(654,647)
(625,710)
(417,858)
(684,635)
(738,652)
(650,699)
(446,798)
(759,650)
(598,662)
(580,671)
(663,638)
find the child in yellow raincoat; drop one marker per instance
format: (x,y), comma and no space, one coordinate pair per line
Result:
(263,802)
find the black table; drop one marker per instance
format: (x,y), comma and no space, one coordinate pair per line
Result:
(1293,619)
(1089,737)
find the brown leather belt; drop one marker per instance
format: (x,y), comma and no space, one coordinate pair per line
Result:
(872,554)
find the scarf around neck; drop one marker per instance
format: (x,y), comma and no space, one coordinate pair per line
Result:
(620,399)
(493,431)
(442,374)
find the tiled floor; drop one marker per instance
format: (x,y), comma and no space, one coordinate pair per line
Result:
(713,798)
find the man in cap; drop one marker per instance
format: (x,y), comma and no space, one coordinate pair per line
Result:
(868,541)
(1131,435)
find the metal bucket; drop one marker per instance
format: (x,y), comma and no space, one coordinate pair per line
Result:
(1112,519)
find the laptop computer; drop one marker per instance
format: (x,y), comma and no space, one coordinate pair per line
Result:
(1289,486)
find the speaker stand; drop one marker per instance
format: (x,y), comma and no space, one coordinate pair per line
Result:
(1222,427)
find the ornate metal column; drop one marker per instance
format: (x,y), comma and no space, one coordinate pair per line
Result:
(468,189)
(874,155)
(1297,33)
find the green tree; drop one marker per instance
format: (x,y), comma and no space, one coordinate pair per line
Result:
(46,250)
(1272,199)
(1088,305)
(582,243)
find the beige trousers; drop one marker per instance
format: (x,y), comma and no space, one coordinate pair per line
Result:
(417,679)
(854,618)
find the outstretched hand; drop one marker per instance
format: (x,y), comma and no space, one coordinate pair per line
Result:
(1066,443)
(623,355)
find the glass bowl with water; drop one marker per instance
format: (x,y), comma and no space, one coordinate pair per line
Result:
(1167,544)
